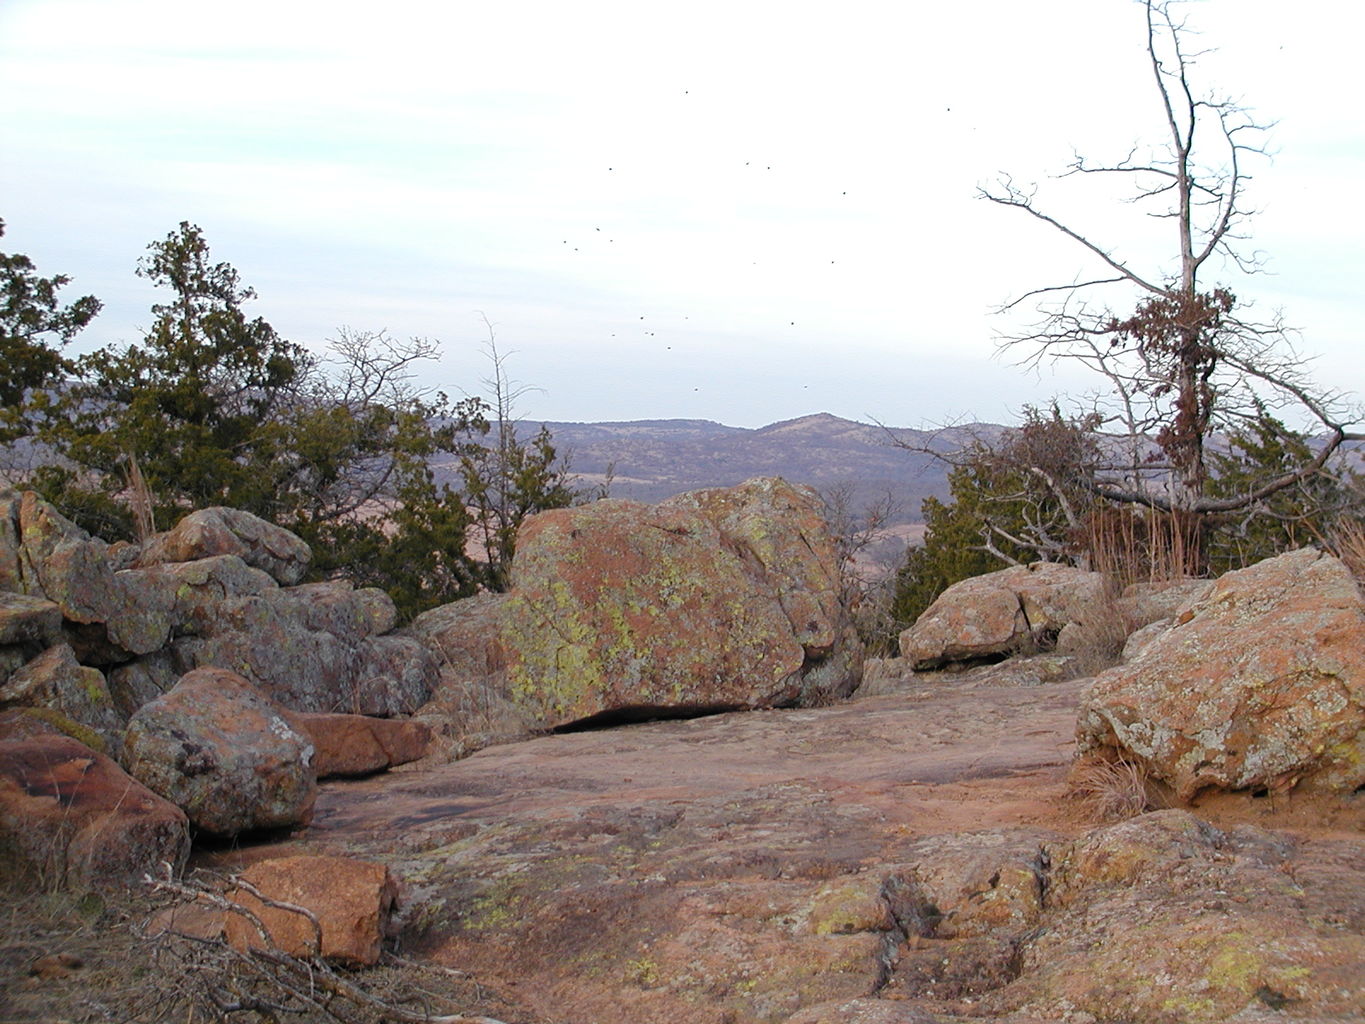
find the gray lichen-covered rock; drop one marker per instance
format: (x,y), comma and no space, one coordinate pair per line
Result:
(1005,612)
(313,648)
(55,680)
(1259,685)
(25,619)
(219,749)
(229,531)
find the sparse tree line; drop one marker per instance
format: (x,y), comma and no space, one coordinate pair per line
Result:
(213,407)
(1206,445)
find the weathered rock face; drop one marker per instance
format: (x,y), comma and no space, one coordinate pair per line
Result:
(1142,604)
(713,599)
(1259,685)
(55,680)
(313,648)
(146,620)
(71,817)
(358,745)
(219,749)
(351,900)
(471,706)
(25,619)
(229,531)
(1005,612)
(1217,914)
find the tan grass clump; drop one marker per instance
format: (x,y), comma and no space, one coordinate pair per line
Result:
(1348,544)
(1110,790)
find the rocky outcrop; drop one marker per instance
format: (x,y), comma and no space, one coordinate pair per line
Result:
(720,599)
(1259,685)
(219,749)
(70,817)
(206,594)
(228,531)
(907,858)
(350,901)
(316,648)
(1015,610)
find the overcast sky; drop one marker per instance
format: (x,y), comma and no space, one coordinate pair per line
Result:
(735,211)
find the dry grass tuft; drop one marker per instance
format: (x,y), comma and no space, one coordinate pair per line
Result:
(1097,635)
(1110,790)
(1348,544)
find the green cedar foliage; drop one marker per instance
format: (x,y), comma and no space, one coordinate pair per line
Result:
(214,408)
(1311,511)
(34,326)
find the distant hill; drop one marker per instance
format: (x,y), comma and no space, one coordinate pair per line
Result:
(654,459)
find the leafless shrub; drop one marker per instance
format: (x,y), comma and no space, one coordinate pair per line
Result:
(1110,790)
(109,957)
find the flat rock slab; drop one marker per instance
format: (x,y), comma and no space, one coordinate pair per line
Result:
(887,855)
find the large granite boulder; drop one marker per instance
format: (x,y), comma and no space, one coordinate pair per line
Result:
(1022,608)
(230,531)
(221,750)
(715,599)
(72,818)
(1259,685)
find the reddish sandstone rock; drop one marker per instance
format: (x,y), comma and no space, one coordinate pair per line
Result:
(1005,612)
(351,901)
(360,745)
(1259,685)
(217,747)
(71,817)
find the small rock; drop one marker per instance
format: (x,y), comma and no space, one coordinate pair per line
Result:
(350,900)
(359,745)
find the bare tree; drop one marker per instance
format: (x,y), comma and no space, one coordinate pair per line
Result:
(508,478)
(1188,360)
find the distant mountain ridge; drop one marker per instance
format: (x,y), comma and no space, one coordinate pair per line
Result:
(654,459)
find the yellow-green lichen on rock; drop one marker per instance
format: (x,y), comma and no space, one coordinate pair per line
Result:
(620,605)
